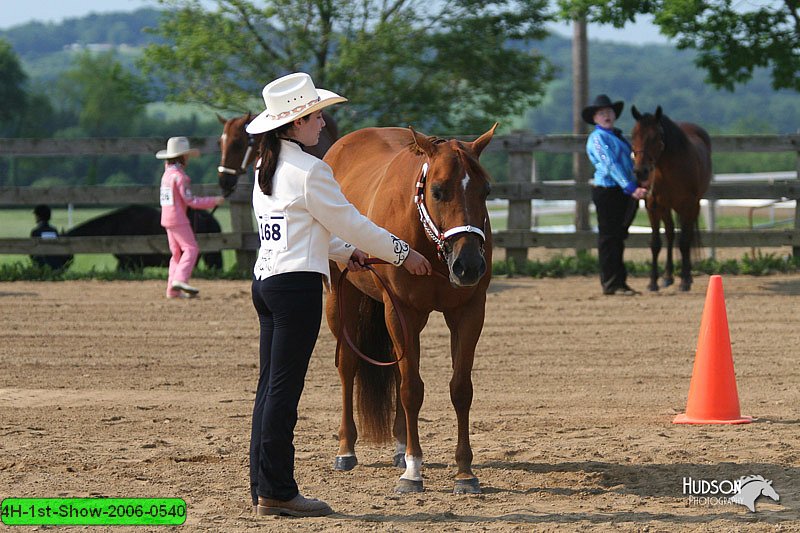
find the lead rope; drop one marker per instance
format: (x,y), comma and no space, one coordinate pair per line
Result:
(343,334)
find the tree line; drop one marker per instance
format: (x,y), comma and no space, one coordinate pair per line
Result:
(446,68)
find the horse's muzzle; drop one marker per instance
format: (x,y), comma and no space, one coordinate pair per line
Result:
(643,176)
(467,266)
(227,183)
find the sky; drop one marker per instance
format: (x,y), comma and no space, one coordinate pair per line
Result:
(14,12)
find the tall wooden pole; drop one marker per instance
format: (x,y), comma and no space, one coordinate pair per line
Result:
(580,97)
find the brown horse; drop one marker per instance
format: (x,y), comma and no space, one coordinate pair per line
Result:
(238,148)
(431,193)
(673,160)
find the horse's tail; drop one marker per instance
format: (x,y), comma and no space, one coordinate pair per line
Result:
(375,384)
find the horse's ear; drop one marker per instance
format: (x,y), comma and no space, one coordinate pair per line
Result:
(481,142)
(635,113)
(222,120)
(423,143)
(249,116)
(658,113)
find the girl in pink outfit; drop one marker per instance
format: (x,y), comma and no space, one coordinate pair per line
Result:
(176,196)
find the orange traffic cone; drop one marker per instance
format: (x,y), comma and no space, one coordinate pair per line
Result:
(713,398)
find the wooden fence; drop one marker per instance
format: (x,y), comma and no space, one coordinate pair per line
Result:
(522,187)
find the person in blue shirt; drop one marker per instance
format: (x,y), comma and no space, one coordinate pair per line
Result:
(615,194)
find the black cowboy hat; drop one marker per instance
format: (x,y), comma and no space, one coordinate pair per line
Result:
(600,102)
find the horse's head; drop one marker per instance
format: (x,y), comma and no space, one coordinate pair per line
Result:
(770,492)
(647,139)
(237,149)
(451,199)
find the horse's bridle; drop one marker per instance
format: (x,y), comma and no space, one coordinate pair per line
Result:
(439,237)
(243,167)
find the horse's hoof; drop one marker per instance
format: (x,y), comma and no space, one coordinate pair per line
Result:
(467,486)
(666,282)
(406,486)
(685,287)
(399,460)
(653,287)
(345,463)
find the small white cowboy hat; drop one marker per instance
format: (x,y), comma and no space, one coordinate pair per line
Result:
(176,147)
(289,98)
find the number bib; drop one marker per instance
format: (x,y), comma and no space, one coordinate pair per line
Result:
(273,230)
(166,196)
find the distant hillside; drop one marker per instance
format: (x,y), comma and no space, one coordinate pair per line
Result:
(36,39)
(652,75)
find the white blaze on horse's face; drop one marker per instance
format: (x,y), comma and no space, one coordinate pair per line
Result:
(222,140)
(464,184)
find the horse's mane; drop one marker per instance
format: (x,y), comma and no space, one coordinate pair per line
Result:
(469,159)
(745,480)
(674,136)
(414,147)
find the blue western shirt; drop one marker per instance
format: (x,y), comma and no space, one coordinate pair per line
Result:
(611,157)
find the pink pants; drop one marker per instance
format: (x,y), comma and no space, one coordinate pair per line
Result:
(185,251)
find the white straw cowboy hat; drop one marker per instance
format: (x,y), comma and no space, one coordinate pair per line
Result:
(289,98)
(176,147)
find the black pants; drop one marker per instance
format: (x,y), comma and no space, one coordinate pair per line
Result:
(615,213)
(289,310)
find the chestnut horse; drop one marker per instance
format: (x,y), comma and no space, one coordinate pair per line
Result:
(238,148)
(431,193)
(673,160)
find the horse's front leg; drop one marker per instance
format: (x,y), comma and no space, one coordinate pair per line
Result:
(465,324)
(669,229)
(655,245)
(412,392)
(685,245)
(399,428)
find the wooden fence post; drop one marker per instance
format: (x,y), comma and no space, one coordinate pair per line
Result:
(242,221)
(519,211)
(580,97)
(796,247)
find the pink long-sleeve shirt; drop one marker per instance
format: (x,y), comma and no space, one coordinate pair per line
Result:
(176,196)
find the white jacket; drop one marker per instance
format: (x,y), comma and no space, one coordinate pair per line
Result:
(296,222)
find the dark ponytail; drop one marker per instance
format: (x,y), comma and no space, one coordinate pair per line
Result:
(269,149)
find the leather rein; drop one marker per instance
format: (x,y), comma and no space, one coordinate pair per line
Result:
(438,237)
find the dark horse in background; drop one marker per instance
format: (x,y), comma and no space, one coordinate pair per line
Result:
(145,220)
(239,148)
(672,160)
(431,193)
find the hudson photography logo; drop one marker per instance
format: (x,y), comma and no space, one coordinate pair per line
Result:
(743,491)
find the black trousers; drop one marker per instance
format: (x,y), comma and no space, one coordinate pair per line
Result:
(289,310)
(615,213)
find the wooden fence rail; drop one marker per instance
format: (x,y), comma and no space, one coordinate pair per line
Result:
(523,186)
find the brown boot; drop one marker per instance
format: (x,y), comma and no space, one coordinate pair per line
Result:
(297,506)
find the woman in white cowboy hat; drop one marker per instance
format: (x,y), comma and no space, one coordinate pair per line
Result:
(615,194)
(176,196)
(303,220)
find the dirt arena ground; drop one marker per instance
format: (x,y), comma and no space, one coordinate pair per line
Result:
(107,389)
